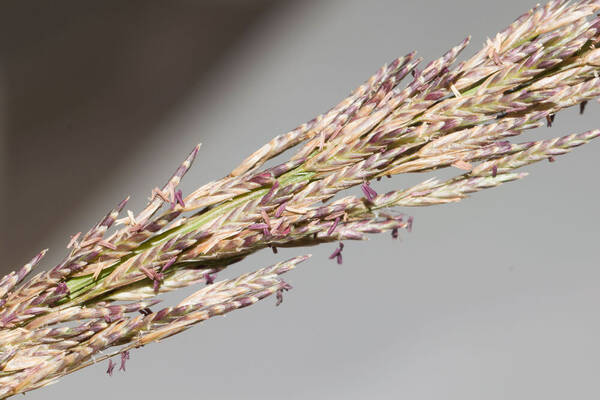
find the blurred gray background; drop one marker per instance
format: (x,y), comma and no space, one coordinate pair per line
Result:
(495,297)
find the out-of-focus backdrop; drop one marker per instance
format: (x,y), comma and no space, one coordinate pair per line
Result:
(495,297)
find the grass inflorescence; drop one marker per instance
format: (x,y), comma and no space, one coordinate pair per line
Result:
(449,115)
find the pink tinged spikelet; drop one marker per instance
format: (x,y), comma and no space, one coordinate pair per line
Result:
(266,218)
(60,292)
(90,242)
(74,241)
(169,187)
(494,171)
(270,193)
(168,264)
(333,226)
(285,232)
(8,282)
(111,367)
(147,272)
(280,210)
(369,193)
(107,244)
(259,226)
(264,178)
(209,278)
(395,233)
(409,224)
(462,164)
(108,220)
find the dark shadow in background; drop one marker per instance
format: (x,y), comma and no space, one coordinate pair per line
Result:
(83,83)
